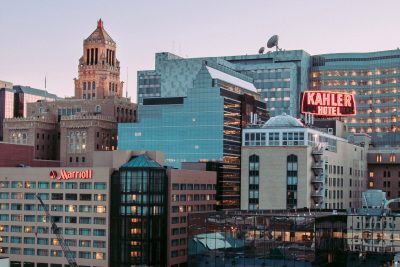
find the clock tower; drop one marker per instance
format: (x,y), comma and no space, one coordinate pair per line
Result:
(99,71)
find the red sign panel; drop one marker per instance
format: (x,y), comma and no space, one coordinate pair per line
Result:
(328,104)
(68,175)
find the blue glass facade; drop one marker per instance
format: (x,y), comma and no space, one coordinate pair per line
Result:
(187,131)
(375,80)
(204,124)
(279,76)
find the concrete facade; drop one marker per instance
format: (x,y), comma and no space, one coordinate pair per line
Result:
(80,207)
(286,165)
(189,191)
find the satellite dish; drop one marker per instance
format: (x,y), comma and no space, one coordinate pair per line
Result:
(261,50)
(273,41)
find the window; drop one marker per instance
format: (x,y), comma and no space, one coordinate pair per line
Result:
(99,232)
(98,220)
(378,158)
(84,243)
(43,185)
(371,174)
(254,170)
(71,197)
(57,196)
(85,197)
(85,220)
(85,208)
(85,231)
(291,200)
(85,185)
(100,186)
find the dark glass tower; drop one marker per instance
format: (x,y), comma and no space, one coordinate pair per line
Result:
(139,214)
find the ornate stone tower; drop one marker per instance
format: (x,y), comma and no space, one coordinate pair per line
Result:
(99,71)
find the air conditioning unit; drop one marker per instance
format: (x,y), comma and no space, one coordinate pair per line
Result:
(330,130)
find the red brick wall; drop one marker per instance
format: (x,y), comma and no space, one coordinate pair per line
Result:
(12,154)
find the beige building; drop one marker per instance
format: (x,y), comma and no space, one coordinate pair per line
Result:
(70,130)
(79,204)
(286,165)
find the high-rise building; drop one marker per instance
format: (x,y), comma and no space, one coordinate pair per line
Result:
(70,130)
(278,76)
(205,124)
(99,70)
(374,78)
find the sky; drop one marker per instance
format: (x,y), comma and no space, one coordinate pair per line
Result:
(45,38)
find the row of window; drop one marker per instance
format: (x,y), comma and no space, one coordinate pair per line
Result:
(385,174)
(197,197)
(58,219)
(45,230)
(53,253)
(193,186)
(54,185)
(52,241)
(192,208)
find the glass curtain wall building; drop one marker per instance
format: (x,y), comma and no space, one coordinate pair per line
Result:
(375,80)
(204,125)
(279,77)
(139,213)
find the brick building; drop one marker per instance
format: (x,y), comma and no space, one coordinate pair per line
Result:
(70,130)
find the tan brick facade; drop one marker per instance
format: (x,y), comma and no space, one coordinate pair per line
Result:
(70,130)
(99,70)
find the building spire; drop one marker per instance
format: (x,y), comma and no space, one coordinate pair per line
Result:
(100,24)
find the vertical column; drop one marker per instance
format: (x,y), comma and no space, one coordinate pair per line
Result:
(113,57)
(87,56)
(96,56)
(91,56)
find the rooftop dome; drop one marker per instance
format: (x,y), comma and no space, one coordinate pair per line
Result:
(283,120)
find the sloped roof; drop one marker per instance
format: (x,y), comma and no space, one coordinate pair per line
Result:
(141,161)
(217,74)
(100,34)
(34,91)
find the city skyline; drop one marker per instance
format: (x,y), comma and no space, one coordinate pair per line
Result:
(43,38)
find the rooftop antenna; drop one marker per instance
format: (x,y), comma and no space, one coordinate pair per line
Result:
(273,41)
(45,87)
(127,76)
(261,50)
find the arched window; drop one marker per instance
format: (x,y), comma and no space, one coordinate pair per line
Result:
(84,85)
(292,180)
(93,85)
(89,86)
(254,181)
(116,88)
(112,87)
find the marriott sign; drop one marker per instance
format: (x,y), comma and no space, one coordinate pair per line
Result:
(328,104)
(69,175)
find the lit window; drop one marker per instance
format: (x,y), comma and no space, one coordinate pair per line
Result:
(371,184)
(379,158)
(371,174)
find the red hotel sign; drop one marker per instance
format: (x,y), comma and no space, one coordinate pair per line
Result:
(328,104)
(68,175)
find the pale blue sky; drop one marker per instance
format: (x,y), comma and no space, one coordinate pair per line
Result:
(45,36)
